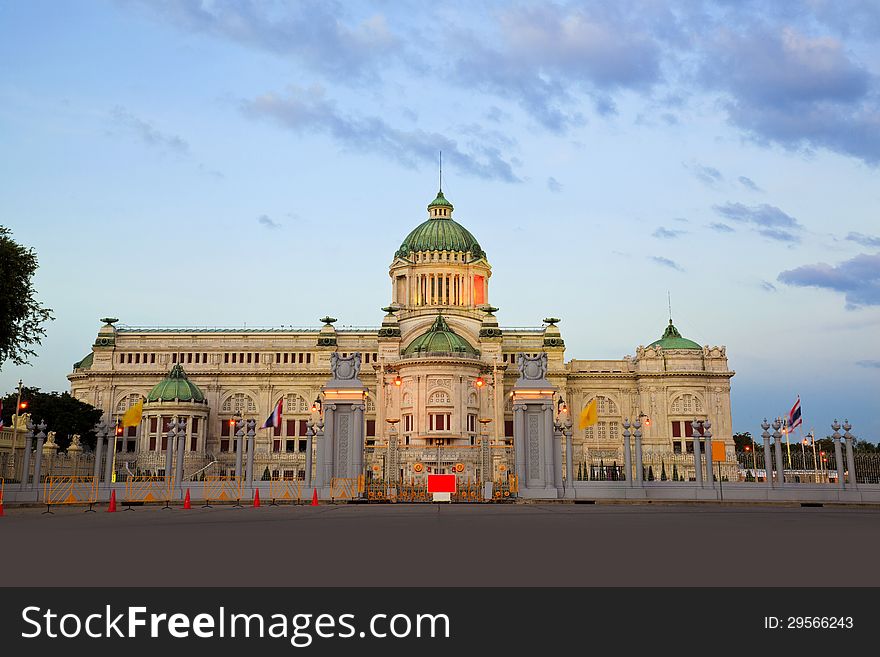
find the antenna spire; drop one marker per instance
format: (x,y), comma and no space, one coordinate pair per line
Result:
(441,171)
(669,300)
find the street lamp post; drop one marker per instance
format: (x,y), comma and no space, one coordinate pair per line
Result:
(768,461)
(777,439)
(698,462)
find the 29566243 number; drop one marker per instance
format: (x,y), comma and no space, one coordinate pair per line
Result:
(819,623)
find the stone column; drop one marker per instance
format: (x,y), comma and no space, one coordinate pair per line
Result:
(169,448)
(637,434)
(569,454)
(780,464)
(251,437)
(710,472)
(181,451)
(551,464)
(324,459)
(358,438)
(698,462)
(768,461)
(100,430)
(838,454)
(239,446)
(627,453)
(38,458)
(850,458)
(519,446)
(111,451)
(26,458)
(556,458)
(310,430)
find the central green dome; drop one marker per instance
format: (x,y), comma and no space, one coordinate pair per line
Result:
(672,340)
(176,387)
(439,339)
(440,233)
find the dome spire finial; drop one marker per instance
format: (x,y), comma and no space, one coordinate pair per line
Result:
(669,300)
(441,172)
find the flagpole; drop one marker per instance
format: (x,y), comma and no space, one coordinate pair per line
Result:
(815,468)
(787,430)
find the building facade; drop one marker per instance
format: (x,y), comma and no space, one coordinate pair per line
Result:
(439,374)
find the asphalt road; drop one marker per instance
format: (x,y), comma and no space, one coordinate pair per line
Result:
(443,545)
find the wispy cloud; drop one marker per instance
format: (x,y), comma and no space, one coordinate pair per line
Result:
(554,185)
(770,221)
(721,228)
(147,132)
(666,262)
(668,233)
(767,286)
(857,278)
(872,364)
(864,240)
(749,184)
(705,174)
(266,221)
(304,111)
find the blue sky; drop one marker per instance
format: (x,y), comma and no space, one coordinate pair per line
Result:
(216,163)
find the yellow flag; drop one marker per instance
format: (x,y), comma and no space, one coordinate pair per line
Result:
(589,416)
(133,415)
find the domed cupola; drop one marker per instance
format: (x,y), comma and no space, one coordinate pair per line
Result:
(441,233)
(439,339)
(672,339)
(176,387)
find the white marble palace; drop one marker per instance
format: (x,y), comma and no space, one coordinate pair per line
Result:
(440,365)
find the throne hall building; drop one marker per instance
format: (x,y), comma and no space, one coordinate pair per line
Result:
(440,366)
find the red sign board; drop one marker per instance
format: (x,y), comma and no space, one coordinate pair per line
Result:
(441,483)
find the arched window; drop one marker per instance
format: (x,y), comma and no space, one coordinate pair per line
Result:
(687,405)
(296,404)
(439,398)
(239,403)
(607,429)
(128,401)
(472,400)
(407,399)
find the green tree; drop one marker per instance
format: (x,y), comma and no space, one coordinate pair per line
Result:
(741,440)
(62,413)
(22,316)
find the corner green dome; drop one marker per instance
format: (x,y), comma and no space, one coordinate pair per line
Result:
(440,233)
(439,339)
(176,387)
(85,363)
(672,340)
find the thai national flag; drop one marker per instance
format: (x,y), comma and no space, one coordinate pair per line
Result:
(794,416)
(1,413)
(274,420)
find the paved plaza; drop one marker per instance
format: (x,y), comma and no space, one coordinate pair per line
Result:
(444,545)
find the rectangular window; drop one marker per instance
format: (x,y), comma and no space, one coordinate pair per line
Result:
(471,422)
(164,443)
(195,424)
(303,427)
(204,357)
(234,357)
(197,356)
(371,427)
(276,431)
(224,428)
(241,357)
(189,357)
(688,429)
(407,423)
(278,357)
(256,358)
(308,358)
(249,358)
(676,429)
(152,358)
(224,445)
(121,358)
(129,446)
(301,358)
(303,445)
(479,291)
(676,447)
(276,445)
(289,445)
(285,357)
(131,432)
(137,358)
(508,428)
(291,428)
(152,443)
(174,358)
(153,423)
(301,475)
(193,443)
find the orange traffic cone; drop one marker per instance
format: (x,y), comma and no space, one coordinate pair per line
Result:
(186,504)
(1,507)
(112,507)
(257,498)
(314,497)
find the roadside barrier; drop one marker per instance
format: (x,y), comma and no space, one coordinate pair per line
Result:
(147,489)
(285,490)
(69,489)
(222,489)
(343,489)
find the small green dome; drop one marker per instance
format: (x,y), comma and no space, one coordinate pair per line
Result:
(440,233)
(672,340)
(85,363)
(439,339)
(176,387)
